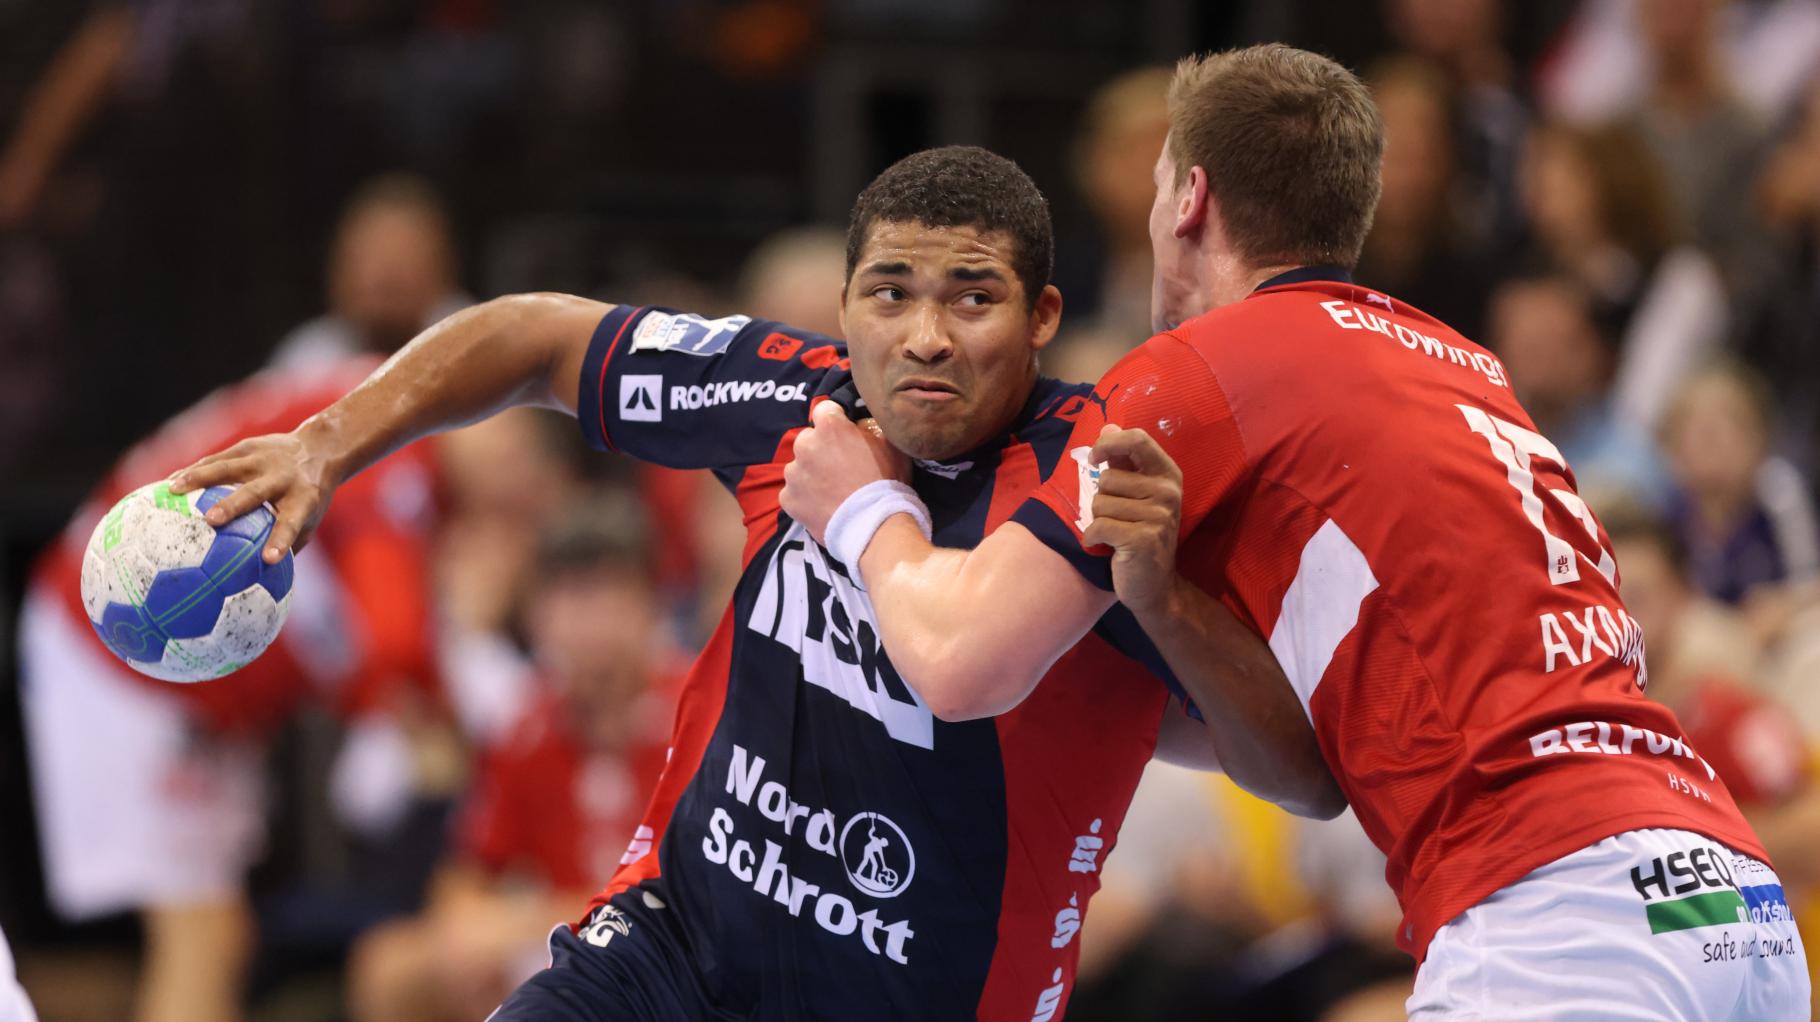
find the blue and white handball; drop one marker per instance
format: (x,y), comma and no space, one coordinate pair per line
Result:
(177,598)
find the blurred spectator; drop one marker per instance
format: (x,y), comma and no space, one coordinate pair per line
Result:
(1692,637)
(1417,248)
(796,276)
(1121,136)
(1368,978)
(1119,139)
(392,272)
(558,801)
(1462,38)
(1604,63)
(1703,663)
(503,481)
(1781,330)
(1707,140)
(1543,329)
(1742,513)
(1217,904)
(149,795)
(1600,214)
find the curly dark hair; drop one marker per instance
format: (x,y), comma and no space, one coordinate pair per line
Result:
(962,186)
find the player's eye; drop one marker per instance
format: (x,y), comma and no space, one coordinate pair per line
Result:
(889,292)
(975,299)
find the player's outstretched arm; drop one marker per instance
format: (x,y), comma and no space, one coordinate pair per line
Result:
(516,350)
(1254,718)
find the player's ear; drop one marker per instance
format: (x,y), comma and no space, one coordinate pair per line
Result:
(1192,203)
(1045,317)
(841,316)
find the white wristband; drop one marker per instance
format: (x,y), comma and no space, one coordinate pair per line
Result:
(851,528)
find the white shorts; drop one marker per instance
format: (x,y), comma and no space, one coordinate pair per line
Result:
(1649,924)
(136,807)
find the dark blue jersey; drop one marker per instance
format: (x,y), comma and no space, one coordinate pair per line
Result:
(827,847)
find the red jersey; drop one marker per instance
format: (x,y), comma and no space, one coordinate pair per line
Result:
(544,805)
(360,615)
(1362,489)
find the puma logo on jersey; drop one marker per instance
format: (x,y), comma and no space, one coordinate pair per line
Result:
(808,604)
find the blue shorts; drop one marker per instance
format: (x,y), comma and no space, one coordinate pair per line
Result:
(627,964)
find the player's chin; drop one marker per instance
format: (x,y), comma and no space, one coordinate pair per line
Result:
(928,434)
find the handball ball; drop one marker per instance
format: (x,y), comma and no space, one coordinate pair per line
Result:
(177,598)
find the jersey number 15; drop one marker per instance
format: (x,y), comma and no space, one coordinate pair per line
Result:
(1515,447)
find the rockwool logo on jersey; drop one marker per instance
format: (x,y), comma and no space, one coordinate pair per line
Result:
(639,399)
(734,392)
(808,604)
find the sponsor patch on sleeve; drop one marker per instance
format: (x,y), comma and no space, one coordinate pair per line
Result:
(686,333)
(1089,473)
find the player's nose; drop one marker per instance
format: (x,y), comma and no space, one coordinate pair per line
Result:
(928,340)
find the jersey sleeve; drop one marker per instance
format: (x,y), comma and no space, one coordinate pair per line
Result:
(679,390)
(1165,388)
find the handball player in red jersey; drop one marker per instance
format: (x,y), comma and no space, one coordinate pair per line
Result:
(821,845)
(150,794)
(1356,483)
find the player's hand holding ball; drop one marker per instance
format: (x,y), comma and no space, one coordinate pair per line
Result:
(285,470)
(1138,512)
(177,597)
(190,578)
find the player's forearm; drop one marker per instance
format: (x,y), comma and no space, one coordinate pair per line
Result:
(1255,722)
(501,353)
(948,621)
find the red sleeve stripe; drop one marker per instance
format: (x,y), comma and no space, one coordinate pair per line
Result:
(600,387)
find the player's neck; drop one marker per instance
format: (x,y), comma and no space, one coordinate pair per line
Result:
(1231,279)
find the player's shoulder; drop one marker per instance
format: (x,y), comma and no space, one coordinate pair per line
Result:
(681,389)
(1050,416)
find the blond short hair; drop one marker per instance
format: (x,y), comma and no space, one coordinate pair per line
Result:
(1292,147)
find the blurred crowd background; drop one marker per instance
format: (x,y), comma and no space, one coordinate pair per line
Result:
(1621,198)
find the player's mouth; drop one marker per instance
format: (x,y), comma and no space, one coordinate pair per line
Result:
(928,388)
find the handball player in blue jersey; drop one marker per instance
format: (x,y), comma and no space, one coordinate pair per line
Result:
(821,845)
